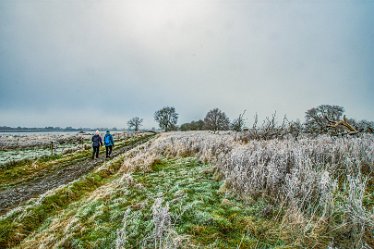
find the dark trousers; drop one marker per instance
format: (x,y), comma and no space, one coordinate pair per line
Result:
(95,151)
(108,150)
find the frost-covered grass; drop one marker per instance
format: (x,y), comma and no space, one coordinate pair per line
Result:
(204,190)
(179,204)
(40,140)
(14,148)
(324,183)
(17,224)
(12,156)
(15,172)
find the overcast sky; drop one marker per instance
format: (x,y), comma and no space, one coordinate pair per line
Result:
(99,63)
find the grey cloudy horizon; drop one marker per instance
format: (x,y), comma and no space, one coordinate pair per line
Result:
(100,63)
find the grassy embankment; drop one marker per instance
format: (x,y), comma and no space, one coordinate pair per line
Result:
(14,173)
(18,224)
(179,203)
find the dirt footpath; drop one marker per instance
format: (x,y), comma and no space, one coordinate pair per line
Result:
(10,198)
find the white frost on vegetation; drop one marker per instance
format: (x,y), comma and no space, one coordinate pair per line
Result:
(306,168)
(40,140)
(122,232)
(301,172)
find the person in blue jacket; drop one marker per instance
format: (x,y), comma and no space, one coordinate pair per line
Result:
(109,143)
(96,142)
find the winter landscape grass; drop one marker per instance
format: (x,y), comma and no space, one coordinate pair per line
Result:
(17,171)
(205,190)
(18,223)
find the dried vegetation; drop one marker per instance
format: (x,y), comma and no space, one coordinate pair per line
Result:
(206,190)
(324,184)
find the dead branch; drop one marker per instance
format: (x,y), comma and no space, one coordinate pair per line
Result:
(344,123)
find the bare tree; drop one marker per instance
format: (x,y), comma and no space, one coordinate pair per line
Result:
(167,118)
(317,119)
(135,123)
(295,128)
(253,132)
(270,129)
(216,120)
(238,124)
(363,125)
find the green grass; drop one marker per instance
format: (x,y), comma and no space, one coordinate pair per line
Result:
(17,225)
(94,210)
(27,169)
(16,172)
(201,213)
(200,210)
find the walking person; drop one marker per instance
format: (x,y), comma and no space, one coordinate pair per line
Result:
(96,143)
(109,143)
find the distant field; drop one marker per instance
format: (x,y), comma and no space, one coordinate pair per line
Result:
(32,145)
(198,190)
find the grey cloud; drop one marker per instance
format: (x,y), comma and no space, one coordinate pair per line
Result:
(100,63)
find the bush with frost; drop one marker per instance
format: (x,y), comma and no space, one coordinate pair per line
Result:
(323,176)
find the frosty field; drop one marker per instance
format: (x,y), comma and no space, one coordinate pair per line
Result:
(199,190)
(23,146)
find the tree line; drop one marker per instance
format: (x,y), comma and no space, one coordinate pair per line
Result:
(323,119)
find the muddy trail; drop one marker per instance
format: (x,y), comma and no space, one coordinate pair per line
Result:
(51,178)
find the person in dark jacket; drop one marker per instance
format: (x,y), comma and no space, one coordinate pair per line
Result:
(96,143)
(109,143)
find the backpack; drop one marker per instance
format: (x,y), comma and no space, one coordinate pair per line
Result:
(107,140)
